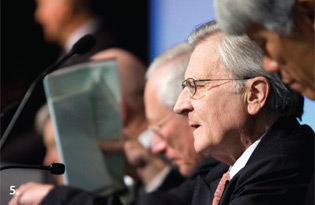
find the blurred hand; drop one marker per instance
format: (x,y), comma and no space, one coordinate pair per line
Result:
(145,164)
(30,193)
(135,154)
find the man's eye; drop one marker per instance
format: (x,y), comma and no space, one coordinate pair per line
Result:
(200,85)
(190,84)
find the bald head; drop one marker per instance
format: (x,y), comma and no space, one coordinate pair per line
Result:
(131,73)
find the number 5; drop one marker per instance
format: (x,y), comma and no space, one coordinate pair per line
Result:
(12,188)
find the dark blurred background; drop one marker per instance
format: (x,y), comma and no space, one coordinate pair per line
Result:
(157,24)
(24,54)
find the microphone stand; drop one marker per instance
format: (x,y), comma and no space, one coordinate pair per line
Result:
(54,168)
(29,92)
(84,44)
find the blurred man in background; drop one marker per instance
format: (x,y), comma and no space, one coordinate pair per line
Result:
(66,21)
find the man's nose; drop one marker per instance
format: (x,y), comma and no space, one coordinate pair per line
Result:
(158,145)
(270,65)
(183,105)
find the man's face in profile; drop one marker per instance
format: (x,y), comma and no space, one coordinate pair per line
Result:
(215,112)
(292,56)
(51,15)
(172,135)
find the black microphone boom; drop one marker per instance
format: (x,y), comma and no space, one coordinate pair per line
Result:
(81,46)
(54,168)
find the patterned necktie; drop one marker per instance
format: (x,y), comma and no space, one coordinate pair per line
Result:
(220,188)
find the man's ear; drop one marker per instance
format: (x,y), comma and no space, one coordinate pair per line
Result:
(256,94)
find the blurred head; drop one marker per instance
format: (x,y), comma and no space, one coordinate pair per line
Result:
(172,134)
(285,32)
(131,73)
(229,113)
(59,18)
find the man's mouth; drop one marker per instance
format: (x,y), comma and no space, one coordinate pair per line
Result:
(195,126)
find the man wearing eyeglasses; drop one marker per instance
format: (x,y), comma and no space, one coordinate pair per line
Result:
(244,117)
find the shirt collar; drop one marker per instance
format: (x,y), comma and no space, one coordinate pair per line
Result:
(242,160)
(88,27)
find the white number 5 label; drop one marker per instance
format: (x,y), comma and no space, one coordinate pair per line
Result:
(12,190)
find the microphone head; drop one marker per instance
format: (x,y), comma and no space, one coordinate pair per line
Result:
(57,168)
(83,45)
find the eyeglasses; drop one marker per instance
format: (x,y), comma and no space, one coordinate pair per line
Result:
(158,125)
(192,86)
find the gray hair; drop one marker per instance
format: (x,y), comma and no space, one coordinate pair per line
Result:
(243,59)
(236,16)
(170,88)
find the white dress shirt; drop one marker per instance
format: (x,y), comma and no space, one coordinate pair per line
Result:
(89,27)
(242,160)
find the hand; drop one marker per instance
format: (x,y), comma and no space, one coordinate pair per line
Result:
(30,193)
(142,161)
(136,155)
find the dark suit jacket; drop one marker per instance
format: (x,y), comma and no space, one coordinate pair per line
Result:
(278,171)
(186,192)
(68,195)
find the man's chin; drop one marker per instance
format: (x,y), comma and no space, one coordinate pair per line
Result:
(185,171)
(310,94)
(199,149)
(296,87)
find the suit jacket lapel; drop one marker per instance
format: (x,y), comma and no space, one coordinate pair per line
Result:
(270,137)
(205,187)
(201,193)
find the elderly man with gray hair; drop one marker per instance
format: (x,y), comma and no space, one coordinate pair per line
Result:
(245,118)
(285,32)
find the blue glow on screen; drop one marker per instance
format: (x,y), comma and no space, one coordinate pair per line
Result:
(172,21)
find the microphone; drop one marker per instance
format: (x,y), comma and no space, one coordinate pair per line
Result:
(54,168)
(84,44)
